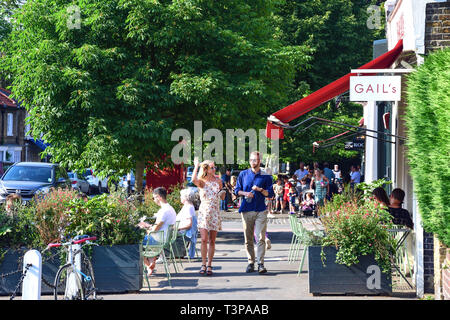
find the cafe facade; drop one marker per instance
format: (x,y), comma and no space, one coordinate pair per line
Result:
(413,29)
(422,26)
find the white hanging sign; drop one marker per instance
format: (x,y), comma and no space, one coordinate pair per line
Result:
(375,88)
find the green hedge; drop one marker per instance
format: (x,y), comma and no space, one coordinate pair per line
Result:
(428,133)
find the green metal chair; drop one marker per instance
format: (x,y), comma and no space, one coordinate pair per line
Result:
(156,250)
(296,238)
(302,232)
(172,237)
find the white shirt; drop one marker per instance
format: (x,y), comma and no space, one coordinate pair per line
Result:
(337,174)
(167,215)
(185,216)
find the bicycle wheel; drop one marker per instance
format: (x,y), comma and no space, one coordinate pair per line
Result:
(68,284)
(88,280)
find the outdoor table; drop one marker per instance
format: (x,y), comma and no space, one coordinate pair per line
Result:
(404,232)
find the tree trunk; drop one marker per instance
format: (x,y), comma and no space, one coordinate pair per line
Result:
(140,167)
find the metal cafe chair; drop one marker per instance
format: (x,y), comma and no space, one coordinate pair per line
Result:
(172,237)
(399,251)
(295,241)
(156,250)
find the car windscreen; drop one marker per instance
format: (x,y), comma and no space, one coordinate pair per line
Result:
(23,173)
(71,175)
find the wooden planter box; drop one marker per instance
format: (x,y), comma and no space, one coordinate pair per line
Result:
(333,278)
(13,261)
(117,268)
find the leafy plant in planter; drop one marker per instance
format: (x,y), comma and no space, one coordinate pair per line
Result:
(112,218)
(17,229)
(52,213)
(357,227)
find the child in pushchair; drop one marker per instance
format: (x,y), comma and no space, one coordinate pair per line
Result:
(308,204)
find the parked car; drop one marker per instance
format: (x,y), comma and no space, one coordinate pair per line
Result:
(189,173)
(27,178)
(79,182)
(97,184)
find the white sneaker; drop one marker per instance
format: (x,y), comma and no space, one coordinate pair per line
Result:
(159,260)
(269,215)
(268,244)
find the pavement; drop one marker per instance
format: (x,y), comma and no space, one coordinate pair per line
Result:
(230,282)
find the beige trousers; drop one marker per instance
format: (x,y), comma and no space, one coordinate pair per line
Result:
(255,223)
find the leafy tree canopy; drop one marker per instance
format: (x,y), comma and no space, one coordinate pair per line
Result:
(108,94)
(338,33)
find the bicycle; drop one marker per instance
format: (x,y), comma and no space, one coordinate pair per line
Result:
(75,279)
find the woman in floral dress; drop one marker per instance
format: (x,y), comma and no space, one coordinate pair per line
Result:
(211,192)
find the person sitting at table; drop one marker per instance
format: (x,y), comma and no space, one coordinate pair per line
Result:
(400,216)
(165,217)
(381,197)
(186,217)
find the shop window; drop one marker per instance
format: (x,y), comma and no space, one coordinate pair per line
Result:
(10,124)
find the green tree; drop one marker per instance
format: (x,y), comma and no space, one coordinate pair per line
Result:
(339,34)
(428,141)
(109,93)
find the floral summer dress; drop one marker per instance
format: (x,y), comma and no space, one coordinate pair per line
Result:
(209,210)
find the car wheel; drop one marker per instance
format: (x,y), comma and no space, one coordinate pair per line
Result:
(90,190)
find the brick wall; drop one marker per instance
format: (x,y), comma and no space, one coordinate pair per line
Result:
(437,26)
(446,277)
(441,271)
(437,36)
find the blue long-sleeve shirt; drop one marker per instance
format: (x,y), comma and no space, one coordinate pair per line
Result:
(246,180)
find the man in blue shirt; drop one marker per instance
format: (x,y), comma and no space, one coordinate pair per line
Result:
(355,176)
(255,186)
(327,172)
(301,171)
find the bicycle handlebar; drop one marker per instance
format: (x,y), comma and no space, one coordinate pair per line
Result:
(78,241)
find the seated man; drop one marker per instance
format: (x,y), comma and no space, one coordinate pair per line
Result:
(400,216)
(164,217)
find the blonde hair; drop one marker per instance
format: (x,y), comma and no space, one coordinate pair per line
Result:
(204,168)
(233,180)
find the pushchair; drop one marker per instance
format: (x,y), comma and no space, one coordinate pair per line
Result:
(311,210)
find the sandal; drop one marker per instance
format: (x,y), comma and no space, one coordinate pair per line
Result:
(203,271)
(209,272)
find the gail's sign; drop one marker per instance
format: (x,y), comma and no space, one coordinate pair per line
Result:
(375,88)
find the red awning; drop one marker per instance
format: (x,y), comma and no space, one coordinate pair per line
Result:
(326,93)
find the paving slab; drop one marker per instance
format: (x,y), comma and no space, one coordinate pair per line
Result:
(230,281)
